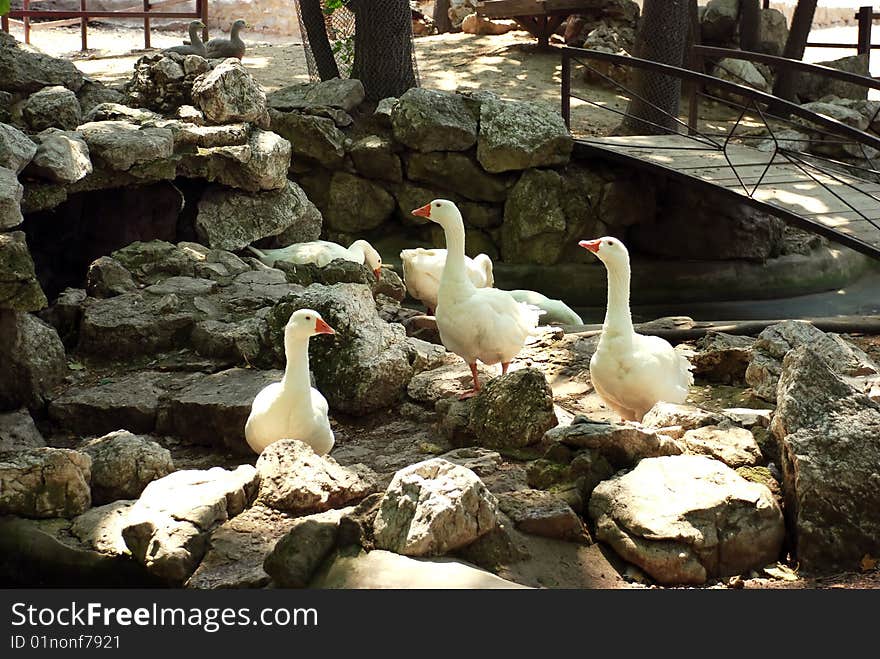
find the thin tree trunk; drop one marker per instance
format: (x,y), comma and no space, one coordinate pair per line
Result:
(441,16)
(662,37)
(316,32)
(795,45)
(383,48)
(749,24)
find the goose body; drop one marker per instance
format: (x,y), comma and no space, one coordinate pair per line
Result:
(423,268)
(292,408)
(484,324)
(195,45)
(631,372)
(232,47)
(321,252)
(555,311)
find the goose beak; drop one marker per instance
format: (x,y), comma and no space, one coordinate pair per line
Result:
(378,273)
(592,245)
(424,211)
(323,328)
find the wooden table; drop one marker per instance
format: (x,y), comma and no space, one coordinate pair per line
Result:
(540,17)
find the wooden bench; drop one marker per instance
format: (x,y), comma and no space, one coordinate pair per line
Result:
(540,17)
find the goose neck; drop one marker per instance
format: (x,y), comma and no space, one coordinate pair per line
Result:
(618,319)
(296,371)
(454,270)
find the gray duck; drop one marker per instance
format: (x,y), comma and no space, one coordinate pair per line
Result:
(195,45)
(231,47)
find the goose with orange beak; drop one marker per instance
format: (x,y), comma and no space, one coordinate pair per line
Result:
(631,372)
(477,324)
(292,408)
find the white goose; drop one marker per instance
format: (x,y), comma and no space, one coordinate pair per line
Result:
(321,252)
(422,269)
(630,371)
(483,324)
(292,408)
(555,311)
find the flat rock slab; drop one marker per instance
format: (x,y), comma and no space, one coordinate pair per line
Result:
(735,447)
(214,409)
(685,519)
(384,569)
(44,482)
(621,444)
(169,527)
(543,513)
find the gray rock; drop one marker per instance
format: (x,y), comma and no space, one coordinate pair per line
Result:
(741,72)
(206,137)
(169,528)
(458,172)
(44,482)
(383,111)
(316,139)
(342,93)
(11,193)
(374,157)
(774,342)
(384,569)
(123,464)
(354,204)
(242,341)
(294,479)
(128,401)
(28,71)
(427,120)
(830,437)
(261,164)
(841,113)
(687,417)
(120,145)
(479,460)
(685,519)
(214,409)
(722,357)
(18,431)
(773,32)
(101,528)
(16,148)
(518,135)
(95,92)
(231,219)
(735,447)
(749,418)
(238,548)
(52,107)
(365,366)
(719,21)
(107,277)
(155,260)
(229,93)
(812,87)
(33,360)
(132,324)
(622,445)
(543,513)
(163,81)
(434,507)
(298,554)
(62,156)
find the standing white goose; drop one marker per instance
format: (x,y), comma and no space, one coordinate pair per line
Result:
(422,269)
(631,372)
(483,324)
(321,252)
(292,408)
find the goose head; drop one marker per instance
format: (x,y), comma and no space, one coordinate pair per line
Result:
(196,25)
(484,263)
(239,25)
(609,250)
(371,256)
(442,211)
(304,324)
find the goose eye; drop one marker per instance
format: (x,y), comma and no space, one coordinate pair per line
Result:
(437,205)
(308,317)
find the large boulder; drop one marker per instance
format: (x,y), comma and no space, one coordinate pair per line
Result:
(685,519)
(432,508)
(316,139)
(719,21)
(773,32)
(52,107)
(231,219)
(11,193)
(776,341)
(169,528)
(123,464)
(341,93)
(107,277)
(18,431)
(28,71)
(16,148)
(297,555)
(811,87)
(542,513)
(294,479)
(428,120)
(33,360)
(830,439)
(61,156)
(365,366)
(352,204)
(723,358)
(741,72)
(458,172)
(122,145)
(229,93)
(164,81)
(734,446)
(518,135)
(374,157)
(154,260)
(44,482)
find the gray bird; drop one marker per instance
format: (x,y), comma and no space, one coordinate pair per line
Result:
(195,46)
(231,47)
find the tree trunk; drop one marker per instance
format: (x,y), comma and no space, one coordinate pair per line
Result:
(383,49)
(441,16)
(662,37)
(749,24)
(316,32)
(795,45)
